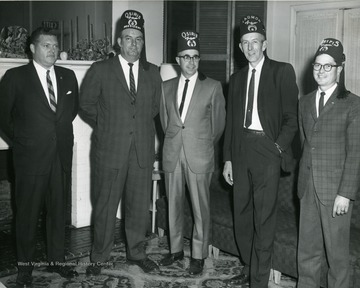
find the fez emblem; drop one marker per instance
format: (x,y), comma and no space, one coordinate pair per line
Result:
(190,38)
(132,23)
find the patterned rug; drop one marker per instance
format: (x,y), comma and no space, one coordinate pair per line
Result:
(117,273)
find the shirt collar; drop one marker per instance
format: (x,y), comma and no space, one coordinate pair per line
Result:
(329,91)
(258,66)
(183,78)
(41,69)
(124,62)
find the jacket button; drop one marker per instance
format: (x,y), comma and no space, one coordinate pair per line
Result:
(133,116)
(183,127)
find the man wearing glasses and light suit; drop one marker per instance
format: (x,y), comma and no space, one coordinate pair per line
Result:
(192,113)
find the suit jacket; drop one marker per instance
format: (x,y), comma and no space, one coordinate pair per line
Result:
(105,99)
(36,132)
(203,126)
(277,108)
(331,147)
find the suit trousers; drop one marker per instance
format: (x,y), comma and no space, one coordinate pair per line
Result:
(32,192)
(318,227)
(255,205)
(131,183)
(199,190)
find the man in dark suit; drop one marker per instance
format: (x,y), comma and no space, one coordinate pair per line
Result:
(329,121)
(121,97)
(38,103)
(192,114)
(261,123)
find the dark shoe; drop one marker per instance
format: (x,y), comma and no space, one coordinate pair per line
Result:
(63,271)
(24,279)
(240,279)
(145,264)
(171,258)
(93,270)
(196,266)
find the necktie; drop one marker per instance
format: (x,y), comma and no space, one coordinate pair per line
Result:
(132,82)
(321,102)
(51,92)
(250,100)
(183,96)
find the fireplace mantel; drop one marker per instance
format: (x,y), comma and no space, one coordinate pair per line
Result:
(81,205)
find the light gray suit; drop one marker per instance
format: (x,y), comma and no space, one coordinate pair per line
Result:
(188,156)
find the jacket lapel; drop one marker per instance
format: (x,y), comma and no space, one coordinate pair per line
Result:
(242,88)
(194,98)
(331,101)
(60,92)
(119,72)
(34,78)
(142,86)
(265,72)
(312,106)
(174,89)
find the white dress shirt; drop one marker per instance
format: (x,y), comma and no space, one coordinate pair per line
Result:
(326,96)
(41,71)
(189,93)
(126,68)
(255,123)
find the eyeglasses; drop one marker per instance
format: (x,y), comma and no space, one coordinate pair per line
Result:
(188,58)
(327,67)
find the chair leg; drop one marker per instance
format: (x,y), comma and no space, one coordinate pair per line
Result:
(153,211)
(215,252)
(161,232)
(275,276)
(210,251)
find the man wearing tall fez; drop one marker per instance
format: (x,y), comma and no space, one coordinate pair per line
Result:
(192,113)
(121,97)
(38,102)
(329,121)
(261,123)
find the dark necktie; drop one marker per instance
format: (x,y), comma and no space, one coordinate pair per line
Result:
(250,100)
(321,102)
(183,96)
(132,82)
(51,92)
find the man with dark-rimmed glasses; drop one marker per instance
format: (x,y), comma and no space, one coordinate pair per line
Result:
(329,121)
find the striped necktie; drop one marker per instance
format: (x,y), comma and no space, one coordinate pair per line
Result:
(51,92)
(132,82)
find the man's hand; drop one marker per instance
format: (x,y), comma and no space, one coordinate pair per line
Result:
(341,206)
(227,173)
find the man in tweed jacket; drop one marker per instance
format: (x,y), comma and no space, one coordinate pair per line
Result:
(329,120)
(122,107)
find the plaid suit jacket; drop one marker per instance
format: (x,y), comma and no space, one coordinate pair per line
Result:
(330,147)
(106,101)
